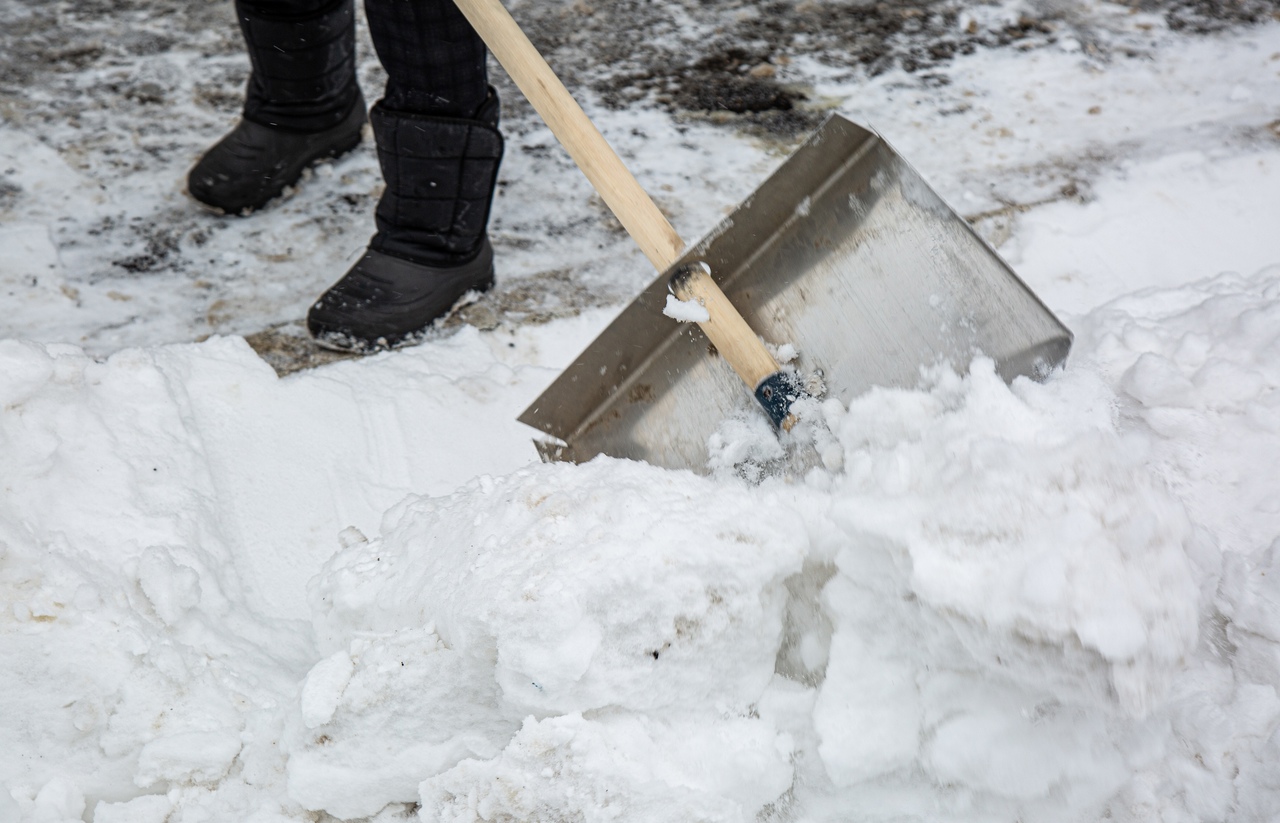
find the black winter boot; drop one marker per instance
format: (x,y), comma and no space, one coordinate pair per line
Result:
(431,248)
(302,103)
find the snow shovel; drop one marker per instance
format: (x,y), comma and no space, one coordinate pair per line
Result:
(844,253)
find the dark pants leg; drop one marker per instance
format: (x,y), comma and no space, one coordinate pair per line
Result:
(435,61)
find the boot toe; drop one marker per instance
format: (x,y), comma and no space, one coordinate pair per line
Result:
(385,302)
(223,193)
(254,163)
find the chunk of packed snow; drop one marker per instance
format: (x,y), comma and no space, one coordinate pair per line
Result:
(686,311)
(322,690)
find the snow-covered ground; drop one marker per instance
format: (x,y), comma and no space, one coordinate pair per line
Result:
(352,592)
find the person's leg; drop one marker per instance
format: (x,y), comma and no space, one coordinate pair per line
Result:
(439,148)
(302,102)
(435,61)
(303,54)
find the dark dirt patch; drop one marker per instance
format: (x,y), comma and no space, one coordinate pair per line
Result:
(735,60)
(163,244)
(734,82)
(9,192)
(533,300)
(288,348)
(1205,16)
(72,56)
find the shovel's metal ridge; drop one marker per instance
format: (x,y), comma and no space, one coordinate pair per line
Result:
(845,253)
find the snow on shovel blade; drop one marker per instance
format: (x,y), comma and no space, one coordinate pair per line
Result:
(845,253)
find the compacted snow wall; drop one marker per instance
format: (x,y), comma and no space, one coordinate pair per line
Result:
(1044,601)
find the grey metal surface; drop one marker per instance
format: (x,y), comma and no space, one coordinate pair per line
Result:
(845,253)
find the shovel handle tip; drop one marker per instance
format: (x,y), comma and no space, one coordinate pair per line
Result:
(737,343)
(775,394)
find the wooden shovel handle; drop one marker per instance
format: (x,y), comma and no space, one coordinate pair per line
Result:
(726,329)
(733,337)
(575,131)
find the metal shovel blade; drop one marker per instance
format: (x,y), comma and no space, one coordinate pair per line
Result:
(844,253)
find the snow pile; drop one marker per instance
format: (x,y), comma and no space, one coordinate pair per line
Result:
(995,592)
(132,659)
(1199,366)
(1036,600)
(1011,596)
(1030,514)
(650,601)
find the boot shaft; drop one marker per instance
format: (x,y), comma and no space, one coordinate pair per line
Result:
(304,62)
(440,174)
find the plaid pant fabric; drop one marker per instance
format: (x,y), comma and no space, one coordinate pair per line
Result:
(435,61)
(303,58)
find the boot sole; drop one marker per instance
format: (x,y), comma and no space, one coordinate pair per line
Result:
(338,343)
